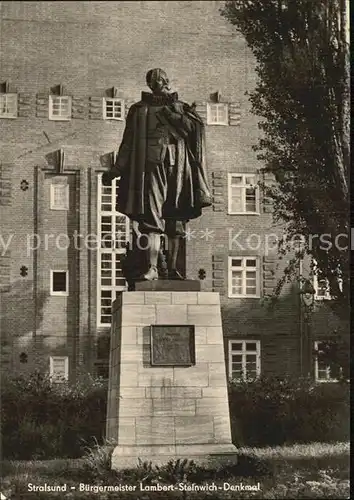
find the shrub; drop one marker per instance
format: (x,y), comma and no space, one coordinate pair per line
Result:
(293,479)
(274,411)
(42,420)
(97,459)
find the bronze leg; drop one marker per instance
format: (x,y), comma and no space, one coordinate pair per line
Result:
(173,246)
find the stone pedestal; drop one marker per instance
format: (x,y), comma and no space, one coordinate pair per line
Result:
(158,413)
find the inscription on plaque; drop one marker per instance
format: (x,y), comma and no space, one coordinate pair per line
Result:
(172,345)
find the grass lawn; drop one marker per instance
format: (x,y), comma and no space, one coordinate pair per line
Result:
(314,470)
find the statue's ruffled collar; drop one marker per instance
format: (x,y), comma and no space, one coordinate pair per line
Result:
(159,100)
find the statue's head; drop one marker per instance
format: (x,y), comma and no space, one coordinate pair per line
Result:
(157,80)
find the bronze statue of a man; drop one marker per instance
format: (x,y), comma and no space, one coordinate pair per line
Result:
(161,165)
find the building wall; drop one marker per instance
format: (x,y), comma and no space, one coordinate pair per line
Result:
(90,47)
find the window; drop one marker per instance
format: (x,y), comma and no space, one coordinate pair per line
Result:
(102,370)
(243,194)
(321,287)
(59,368)
(320,284)
(5,270)
(217,113)
(113,231)
(59,107)
(322,371)
(59,283)
(23,358)
(244,280)
(113,109)
(59,196)
(8,105)
(244,359)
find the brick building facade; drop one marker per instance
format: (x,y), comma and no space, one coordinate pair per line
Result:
(69,71)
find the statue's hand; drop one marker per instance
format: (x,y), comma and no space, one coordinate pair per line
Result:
(115,172)
(107,178)
(193,106)
(178,107)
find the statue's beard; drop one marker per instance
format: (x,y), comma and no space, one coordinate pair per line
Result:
(161,89)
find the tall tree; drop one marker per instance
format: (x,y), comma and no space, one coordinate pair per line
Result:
(302,98)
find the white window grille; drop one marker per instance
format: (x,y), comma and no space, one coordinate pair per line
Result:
(59,196)
(59,107)
(320,284)
(59,368)
(217,113)
(113,108)
(8,105)
(243,194)
(59,282)
(244,359)
(243,277)
(113,231)
(322,371)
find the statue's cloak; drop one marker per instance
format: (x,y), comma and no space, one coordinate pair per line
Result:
(191,191)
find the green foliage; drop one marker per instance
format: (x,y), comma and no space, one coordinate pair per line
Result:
(323,486)
(302,99)
(42,420)
(178,471)
(307,478)
(173,472)
(274,411)
(97,458)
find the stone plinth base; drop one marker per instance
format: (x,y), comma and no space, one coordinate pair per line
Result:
(168,286)
(158,413)
(125,457)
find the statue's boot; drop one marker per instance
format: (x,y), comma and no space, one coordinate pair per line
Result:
(151,275)
(173,274)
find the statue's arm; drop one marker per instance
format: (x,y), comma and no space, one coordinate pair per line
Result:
(124,150)
(126,145)
(179,118)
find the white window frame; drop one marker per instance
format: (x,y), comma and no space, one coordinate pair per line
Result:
(210,120)
(114,100)
(327,368)
(243,353)
(13,115)
(53,206)
(59,294)
(327,295)
(243,186)
(243,268)
(315,283)
(113,251)
(54,377)
(64,118)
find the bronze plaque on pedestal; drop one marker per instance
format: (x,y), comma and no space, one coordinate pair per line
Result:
(172,345)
